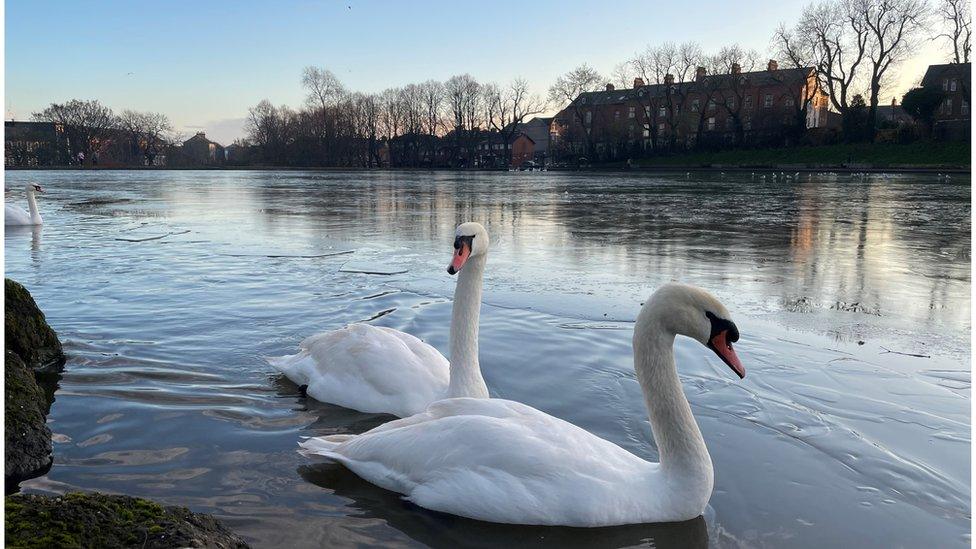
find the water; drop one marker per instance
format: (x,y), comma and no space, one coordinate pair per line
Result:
(168,288)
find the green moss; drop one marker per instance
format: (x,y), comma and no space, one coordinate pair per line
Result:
(27,332)
(99,520)
(27,438)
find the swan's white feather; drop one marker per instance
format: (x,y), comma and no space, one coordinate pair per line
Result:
(14,215)
(502,461)
(369,368)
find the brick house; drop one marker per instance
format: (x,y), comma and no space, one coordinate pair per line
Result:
(523,150)
(537,130)
(200,151)
(737,108)
(952,119)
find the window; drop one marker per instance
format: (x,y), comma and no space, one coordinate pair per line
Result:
(632,112)
(747,123)
(647,133)
(662,112)
(964,108)
(694,106)
(711,104)
(616,115)
(768,100)
(945,84)
(747,102)
(947,106)
(660,128)
(589,117)
(952,85)
(647,112)
(789,101)
(711,123)
(731,103)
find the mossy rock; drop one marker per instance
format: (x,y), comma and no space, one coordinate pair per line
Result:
(27,438)
(27,332)
(98,520)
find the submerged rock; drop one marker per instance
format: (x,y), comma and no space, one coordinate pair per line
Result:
(98,520)
(27,332)
(27,438)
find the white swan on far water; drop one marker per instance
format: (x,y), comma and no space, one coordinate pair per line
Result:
(14,215)
(381,370)
(502,461)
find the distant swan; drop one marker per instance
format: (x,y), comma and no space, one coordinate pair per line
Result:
(13,215)
(502,461)
(382,370)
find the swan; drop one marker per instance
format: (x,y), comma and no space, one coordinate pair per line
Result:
(501,461)
(13,215)
(376,369)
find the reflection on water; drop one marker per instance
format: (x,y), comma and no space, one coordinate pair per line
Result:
(168,288)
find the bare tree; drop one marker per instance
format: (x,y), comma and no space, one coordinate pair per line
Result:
(463,100)
(148,132)
(957,19)
(506,108)
(567,89)
(839,48)
(892,26)
(623,75)
(88,125)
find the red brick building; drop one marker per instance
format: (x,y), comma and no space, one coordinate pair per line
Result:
(759,107)
(952,119)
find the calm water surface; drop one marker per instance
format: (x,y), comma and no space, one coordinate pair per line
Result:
(168,288)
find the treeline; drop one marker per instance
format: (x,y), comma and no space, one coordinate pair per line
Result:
(407,126)
(90,129)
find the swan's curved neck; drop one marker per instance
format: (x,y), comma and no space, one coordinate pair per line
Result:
(32,206)
(466,380)
(679,441)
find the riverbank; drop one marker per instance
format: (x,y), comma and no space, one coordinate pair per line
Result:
(919,157)
(890,157)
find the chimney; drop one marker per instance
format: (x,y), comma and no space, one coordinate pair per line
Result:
(736,69)
(609,87)
(894,102)
(668,79)
(699,73)
(772,65)
(638,82)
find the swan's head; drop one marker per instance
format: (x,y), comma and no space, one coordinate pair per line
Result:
(34,188)
(470,240)
(690,311)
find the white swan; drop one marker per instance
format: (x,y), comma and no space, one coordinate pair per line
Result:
(502,461)
(13,215)
(382,370)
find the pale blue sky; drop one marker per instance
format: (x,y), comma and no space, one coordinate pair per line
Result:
(204,63)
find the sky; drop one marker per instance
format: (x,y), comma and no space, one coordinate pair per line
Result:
(203,64)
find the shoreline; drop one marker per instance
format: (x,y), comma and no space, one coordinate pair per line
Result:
(802,168)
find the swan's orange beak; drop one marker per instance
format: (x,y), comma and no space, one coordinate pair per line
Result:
(462,249)
(723,348)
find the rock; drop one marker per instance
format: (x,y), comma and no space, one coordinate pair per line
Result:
(27,332)
(98,520)
(27,438)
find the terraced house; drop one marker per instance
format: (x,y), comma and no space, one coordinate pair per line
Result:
(774,106)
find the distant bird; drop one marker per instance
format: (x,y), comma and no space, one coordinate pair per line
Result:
(129,73)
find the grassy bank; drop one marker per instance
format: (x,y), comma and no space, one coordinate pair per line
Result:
(861,155)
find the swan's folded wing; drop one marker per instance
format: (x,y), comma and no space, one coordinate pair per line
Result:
(369,368)
(493,460)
